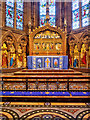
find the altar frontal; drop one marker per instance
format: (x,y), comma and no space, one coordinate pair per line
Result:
(47,62)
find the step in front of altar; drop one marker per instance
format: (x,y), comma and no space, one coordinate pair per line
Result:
(47,62)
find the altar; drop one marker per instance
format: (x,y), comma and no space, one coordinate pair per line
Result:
(47,62)
(47,48)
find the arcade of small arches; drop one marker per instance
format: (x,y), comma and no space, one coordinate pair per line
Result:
(13,51)
(43,114)
(79,51)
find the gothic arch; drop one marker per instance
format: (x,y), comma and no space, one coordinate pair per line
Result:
(7,115)
(73,37)
(9,33)
(85,33)
(47,111)
(84,37)
(23,37)
(11,113)
(82,114)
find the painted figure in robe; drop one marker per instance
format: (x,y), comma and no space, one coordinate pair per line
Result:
(4,56)
(4,59)
(12,61)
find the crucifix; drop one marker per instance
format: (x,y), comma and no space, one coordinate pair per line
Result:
(47,62)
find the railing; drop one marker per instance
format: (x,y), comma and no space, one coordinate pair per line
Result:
(45,83)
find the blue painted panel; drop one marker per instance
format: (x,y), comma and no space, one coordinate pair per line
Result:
(29,62)
(65,62)
(55,62)
(16,93)
(47,62)
(80,93)
(39,62)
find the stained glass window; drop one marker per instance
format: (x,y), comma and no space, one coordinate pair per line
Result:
(43,12)
(19,14)
(75,14)
(10,13)
(85,13)
(52,12)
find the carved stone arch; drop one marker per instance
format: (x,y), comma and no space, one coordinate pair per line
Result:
(47,111)
(11,113)
(9,33)
(21,38)
(85,39)
(6,116)
(82,114)
(72,41)
(73,38)
(84,34)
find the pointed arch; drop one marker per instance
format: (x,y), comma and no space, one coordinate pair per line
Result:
(73,38)
(9,33)
(82,114)
(23,37)
(47,111)
(85,36)
(10,113)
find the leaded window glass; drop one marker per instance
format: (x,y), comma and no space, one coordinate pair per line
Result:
(43,12)
(19,14)
(52,12)
(85,13)
(10,13)
(75,14)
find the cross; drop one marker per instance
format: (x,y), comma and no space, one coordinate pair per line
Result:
(47,61)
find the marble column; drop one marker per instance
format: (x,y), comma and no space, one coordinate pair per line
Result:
(79,65)
(16,60)
(8,58)
(79,50)
(23,54)
(30,40)
(72,53)
(23,58)
(87,55)
(87,59)
(72,58)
